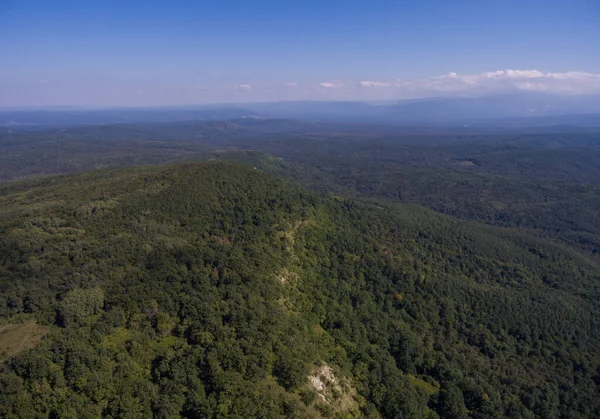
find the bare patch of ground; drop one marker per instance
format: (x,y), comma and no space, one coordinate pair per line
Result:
(464,163)
(17,337)
(286,276)
(335,395)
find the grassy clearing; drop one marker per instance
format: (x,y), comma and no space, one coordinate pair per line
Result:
(15,338)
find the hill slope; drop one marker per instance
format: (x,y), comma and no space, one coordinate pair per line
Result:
(215,290)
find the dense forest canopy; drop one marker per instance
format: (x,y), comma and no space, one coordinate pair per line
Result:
(298,271)
(546,183)
(299,209)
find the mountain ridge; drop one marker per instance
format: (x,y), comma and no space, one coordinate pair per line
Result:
(170,278)
(424,111)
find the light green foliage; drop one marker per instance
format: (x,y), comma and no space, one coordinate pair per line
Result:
(80,303)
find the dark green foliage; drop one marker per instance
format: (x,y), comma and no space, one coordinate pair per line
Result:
(214,290)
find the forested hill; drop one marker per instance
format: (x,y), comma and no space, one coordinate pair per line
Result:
(214,290)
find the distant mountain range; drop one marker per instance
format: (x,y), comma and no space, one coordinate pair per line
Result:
(494,107)
(450,111)
(514,110)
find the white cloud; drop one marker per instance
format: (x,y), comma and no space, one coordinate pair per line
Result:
(43,81)
(514,74)
(458,84)
(374,84)
(329,85)
(449,84)
(573,82)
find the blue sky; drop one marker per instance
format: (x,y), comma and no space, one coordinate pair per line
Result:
(103,53)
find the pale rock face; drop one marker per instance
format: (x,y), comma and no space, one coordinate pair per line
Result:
(286,276)
(324,382)
(331,391)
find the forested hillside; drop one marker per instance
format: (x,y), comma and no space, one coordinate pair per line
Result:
(215,290)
